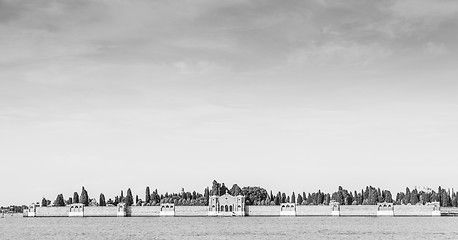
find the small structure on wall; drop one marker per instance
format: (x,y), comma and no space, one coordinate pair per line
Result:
(76,210)
(288,209)
(436,208)
(335,208)
(226,205)
(121,210)
(32,211)
(167,209)
(385,209)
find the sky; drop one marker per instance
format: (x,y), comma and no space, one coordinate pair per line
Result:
(286,95)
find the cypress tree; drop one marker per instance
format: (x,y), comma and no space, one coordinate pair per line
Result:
(147,195)
(84,198)
(206,196)
(44,202)
(102,200)
(278,198)
(129,198)
(407,196)
(60,202)
(283,198)
(194,195)
(414,197)
(299,199)
(76,197)
(293,198)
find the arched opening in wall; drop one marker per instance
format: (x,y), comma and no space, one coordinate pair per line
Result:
(222,208)
(230,208)
(282,207)
(226,208)
(213,208)
(239,208)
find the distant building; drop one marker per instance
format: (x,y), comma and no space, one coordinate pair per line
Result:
(226,205)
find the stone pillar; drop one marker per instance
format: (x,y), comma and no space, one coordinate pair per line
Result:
(213,211)
(76,210)
(385,209)
(121,210)
(240,202)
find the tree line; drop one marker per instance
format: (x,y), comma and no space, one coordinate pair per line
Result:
(259,196)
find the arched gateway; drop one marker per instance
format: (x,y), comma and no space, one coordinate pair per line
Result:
(226,205)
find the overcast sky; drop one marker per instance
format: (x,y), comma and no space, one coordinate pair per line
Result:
(288,95)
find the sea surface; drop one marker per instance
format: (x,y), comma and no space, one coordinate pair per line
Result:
(230,228)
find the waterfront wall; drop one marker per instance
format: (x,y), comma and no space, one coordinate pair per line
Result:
(417,210)
(312,210)
(360,210)
(262,210)
(301,210)
(143,211)
(100,211)
(191,211)
(52,212)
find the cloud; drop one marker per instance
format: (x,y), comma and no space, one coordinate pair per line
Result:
(337,54)
(239,35)
(435,49)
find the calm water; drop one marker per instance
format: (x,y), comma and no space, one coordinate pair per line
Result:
(230,228)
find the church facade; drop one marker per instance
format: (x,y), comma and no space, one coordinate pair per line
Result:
(226,205)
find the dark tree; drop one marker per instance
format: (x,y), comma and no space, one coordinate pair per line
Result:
(407,196)
(283,198)
(414,197)
(388,197)
(277,199)
(129,198)
(206,196)
(254,195)
(60,202)
(215,188)
(76,197)
(293,198)
(299,199)
(235,190)
(223,190)
(44,202)
(84,198)
(194,195)
(147,195)
(69,201)
(102,200)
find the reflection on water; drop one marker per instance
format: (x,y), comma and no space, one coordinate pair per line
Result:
(230,228)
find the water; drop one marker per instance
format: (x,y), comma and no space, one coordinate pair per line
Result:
(230,228)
